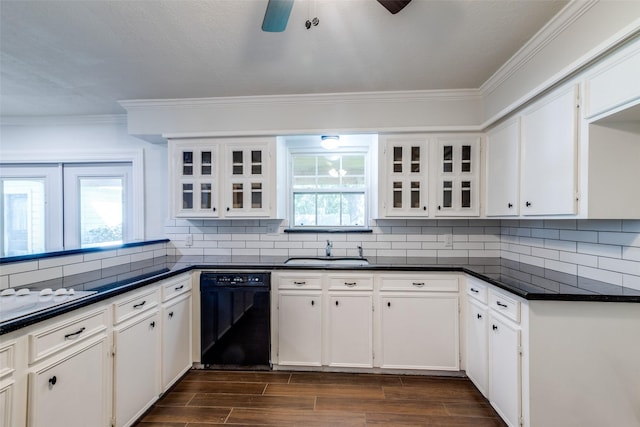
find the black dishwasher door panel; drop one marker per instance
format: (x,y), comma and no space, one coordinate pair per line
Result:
(235,327)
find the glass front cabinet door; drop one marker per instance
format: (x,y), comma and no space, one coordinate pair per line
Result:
(405,164)
(458,183)
(248,185)
(195,168)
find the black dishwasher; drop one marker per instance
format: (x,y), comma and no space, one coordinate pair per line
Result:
(235,320)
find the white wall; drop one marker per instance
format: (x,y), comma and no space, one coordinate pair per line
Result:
(57,138)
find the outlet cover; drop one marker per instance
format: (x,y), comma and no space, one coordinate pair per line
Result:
(188,241)
(448,240)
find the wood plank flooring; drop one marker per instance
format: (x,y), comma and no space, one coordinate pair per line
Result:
(206,398)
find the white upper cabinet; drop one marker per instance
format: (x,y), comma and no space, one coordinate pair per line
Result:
(503,169)
(458,176)
(404,166)
(249,179)
(216,178)
(614,84)
(549,155)
(194,166)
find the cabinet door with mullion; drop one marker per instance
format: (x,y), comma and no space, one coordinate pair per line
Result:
(194,173)
(249,187)
(458,176)
(406,165)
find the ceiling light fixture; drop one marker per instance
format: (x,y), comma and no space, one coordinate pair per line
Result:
(330,142)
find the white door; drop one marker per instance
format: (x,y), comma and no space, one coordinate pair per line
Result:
(176,340)
(504,369)
(136,367)
(300,328)
(477,361)
(503,169)
(549,155)
(350,330)
(420,331)
(71,392)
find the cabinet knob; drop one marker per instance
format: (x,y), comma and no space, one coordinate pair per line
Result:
(494,327)
(53,380)
(479,316)
(313,302)
(336,303)
(424,208)
(152,324)
(170,315)
(527,204)
(439,207)
(510,205)
(214,209)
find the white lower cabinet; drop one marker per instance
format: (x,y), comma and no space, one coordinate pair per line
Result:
(136,364)
(71,391)
(477,361)
(505,389)
(176,330)
(494,350)
(350,329)
(300,328)
(7,369)
(418,322)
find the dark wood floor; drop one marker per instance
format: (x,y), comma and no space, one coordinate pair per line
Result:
(206,398)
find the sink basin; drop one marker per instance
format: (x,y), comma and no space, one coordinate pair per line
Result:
(327,261)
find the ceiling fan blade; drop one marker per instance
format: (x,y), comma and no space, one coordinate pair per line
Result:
(394,6)
(277,15)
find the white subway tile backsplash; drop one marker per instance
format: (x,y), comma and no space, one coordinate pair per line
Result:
(579,236)
(60,261)
(117,260)
(4,282)
(600,225)
(26,278)
(631,225)
(623,266)
(631,281)
(82,267)
(545,233)
(631,253)
(600,275)
(532,260)
(579,259)
(18,267)
(545,253)
(623,239)
(610,251)
(561,245)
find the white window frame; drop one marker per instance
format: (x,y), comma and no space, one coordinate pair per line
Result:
(135,157)
(299,145)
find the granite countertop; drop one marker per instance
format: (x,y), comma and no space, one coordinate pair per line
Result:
(527,281)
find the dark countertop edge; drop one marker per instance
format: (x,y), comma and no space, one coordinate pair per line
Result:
(118,288)
(30,257)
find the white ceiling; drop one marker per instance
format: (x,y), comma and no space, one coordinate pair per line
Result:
(81,57)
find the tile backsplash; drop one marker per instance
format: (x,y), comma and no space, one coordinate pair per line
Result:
(602,250)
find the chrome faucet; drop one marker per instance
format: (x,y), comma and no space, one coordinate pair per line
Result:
(328,248)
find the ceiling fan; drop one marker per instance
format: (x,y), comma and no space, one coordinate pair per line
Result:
(278,11)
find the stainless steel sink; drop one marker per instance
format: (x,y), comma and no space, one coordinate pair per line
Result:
(328,261)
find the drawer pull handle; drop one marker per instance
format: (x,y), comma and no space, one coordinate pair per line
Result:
(299,283)
(479,316)
(350,284)
(170,315)
(140,305)
(418,284)
(474,290)
(501,304)
(494,327)
(52,381)
(74,334)
(177,288)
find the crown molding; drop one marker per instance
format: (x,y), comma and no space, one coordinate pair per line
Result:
(102,119)
(556,26)
(321,98)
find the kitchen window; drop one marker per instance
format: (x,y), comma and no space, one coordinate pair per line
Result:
(57,206)
(329,188)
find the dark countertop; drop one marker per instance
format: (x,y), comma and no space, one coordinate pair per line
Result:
(524,280)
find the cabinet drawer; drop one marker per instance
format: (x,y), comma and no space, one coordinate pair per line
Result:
(300,281)
(418,283)
(131,306)
(65,334)
(176,287)
(505,305)
(7,359)
(477,290)
(349,281)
